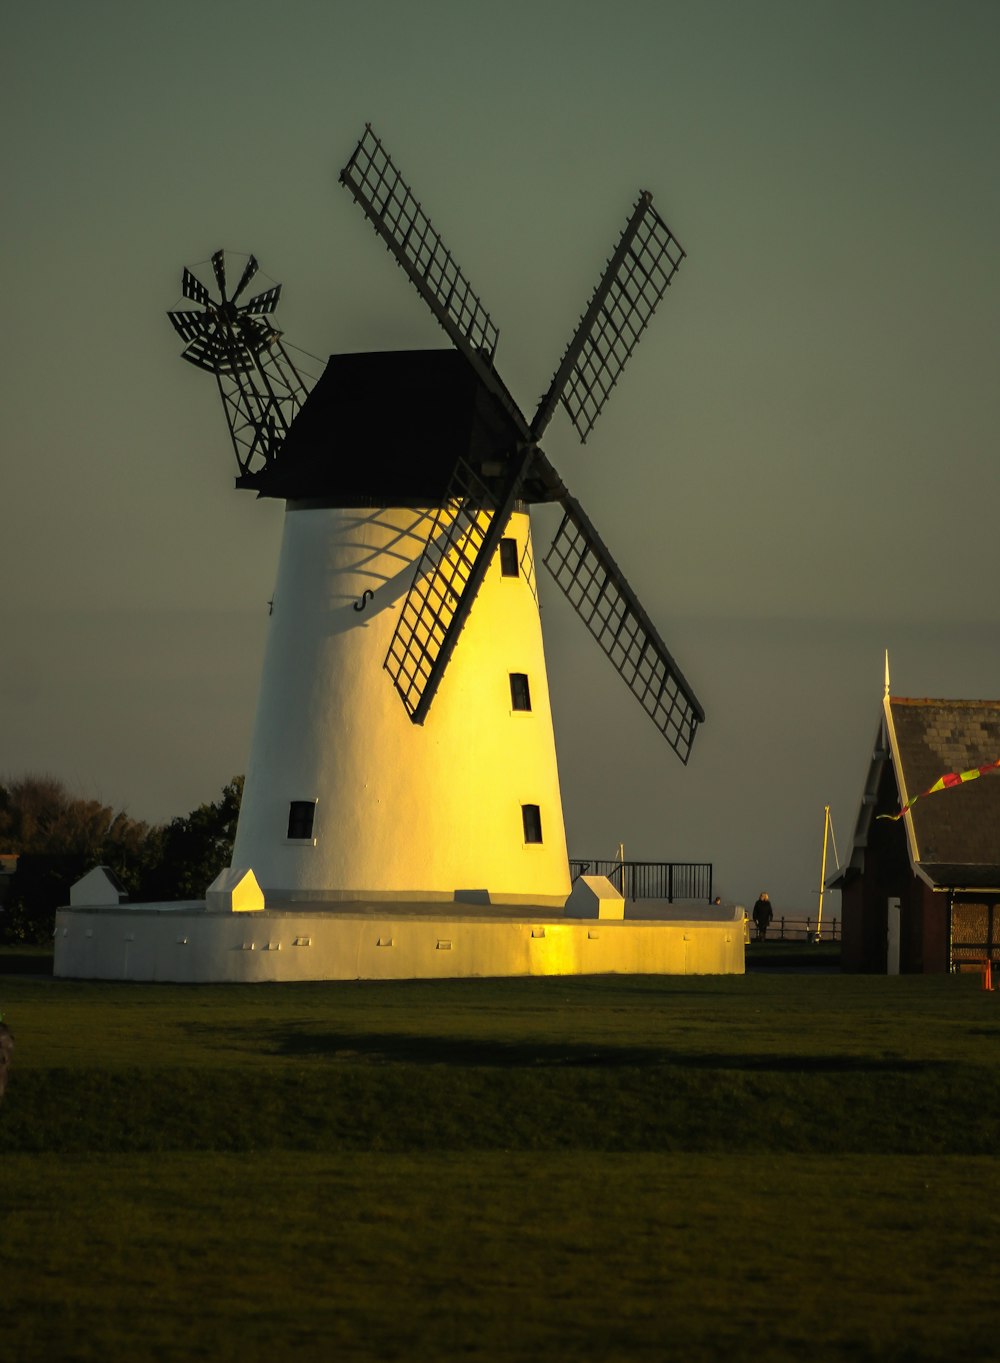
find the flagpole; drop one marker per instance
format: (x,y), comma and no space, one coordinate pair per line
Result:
(822,873)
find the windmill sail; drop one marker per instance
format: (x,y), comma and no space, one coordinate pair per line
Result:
(397,216)
(458,552)
(193,288)
(596,587)
(637,275)
(249,270)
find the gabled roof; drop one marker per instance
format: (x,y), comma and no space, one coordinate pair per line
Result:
(953,836)
(956,831)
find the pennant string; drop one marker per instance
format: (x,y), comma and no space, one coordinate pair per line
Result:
(946,782)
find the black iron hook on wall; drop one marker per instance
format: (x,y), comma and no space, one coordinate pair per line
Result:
(366,596)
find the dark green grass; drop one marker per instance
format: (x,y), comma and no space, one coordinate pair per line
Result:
(422,1257)
(796,955)
(778,1166)
(25,960)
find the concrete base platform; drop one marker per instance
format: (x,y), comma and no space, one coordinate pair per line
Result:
(186,943)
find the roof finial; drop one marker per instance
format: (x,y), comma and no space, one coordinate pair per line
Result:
(887,672)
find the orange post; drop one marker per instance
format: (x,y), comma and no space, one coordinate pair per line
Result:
(988,973)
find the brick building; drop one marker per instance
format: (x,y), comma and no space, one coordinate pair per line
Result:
(922,894)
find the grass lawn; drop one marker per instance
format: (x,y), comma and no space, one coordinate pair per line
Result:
(779,1166)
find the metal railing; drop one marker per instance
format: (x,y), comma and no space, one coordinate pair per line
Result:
(668,880)
(786,929)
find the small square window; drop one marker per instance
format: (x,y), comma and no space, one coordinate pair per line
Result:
(531,817)
(301,814)
(520,694)
(508,557)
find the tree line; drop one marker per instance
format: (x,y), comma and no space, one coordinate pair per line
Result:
(57,837)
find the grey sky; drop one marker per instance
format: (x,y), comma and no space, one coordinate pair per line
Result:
(797,471)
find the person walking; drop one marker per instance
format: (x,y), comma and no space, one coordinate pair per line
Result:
(762,915)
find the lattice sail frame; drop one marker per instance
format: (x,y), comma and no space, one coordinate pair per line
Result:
(636,277)
(463,539)
(595,586)
(397,216)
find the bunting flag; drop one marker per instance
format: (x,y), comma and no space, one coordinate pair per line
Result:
(951,778)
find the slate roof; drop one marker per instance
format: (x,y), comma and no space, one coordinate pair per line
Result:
(957,831)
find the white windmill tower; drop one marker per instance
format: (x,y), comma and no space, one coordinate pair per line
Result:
(407,478)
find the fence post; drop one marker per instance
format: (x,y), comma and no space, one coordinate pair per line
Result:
(670,882)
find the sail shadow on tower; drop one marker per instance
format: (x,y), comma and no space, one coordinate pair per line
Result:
(403,747)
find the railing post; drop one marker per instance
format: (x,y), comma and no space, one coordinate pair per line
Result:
(670,882)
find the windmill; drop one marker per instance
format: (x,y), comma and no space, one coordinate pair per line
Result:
(407,478)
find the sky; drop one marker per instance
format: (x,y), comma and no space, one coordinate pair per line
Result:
(797,472)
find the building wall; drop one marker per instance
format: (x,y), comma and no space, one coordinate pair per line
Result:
(926,945)
(886,873)
(975,928)
(856,956)
(936,944)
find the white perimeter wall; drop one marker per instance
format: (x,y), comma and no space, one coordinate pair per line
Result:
(402,810)
(186,944)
